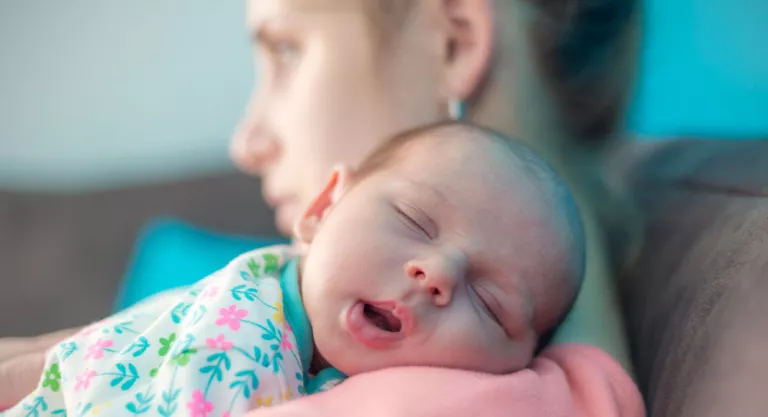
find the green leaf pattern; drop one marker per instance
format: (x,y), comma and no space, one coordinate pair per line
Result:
(166,343)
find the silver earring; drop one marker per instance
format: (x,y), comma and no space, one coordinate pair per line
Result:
(456,109)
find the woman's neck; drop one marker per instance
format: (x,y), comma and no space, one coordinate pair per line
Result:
(579,165)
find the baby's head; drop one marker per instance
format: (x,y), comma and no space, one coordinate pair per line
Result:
(450,246)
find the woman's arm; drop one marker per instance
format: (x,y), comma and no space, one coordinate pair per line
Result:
(564,381)
(21,364)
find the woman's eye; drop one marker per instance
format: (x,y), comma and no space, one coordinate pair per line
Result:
(285,52)
(412,223)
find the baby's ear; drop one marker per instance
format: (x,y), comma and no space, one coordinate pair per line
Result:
(307,225)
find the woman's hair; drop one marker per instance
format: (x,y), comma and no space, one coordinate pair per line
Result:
(585,51)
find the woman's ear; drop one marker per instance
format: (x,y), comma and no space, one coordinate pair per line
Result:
(306,227)
(468,45)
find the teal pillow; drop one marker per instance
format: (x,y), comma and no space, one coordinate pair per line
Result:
(170,253)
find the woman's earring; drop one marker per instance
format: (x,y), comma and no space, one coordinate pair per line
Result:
(456,109)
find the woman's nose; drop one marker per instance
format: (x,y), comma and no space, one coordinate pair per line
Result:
(439,276)
(253,149)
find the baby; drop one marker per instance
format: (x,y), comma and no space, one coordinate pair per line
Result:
(450,246)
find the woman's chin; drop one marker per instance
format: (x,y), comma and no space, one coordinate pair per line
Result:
(285,215)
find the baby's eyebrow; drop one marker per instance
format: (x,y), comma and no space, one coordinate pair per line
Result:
(432,193)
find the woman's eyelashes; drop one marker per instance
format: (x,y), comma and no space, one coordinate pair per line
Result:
(286,53)
(282,52)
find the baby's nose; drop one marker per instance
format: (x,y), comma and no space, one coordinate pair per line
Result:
(438,276)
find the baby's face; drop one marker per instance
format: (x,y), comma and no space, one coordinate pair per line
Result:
(424,264)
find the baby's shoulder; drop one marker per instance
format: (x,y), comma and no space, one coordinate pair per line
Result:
(247,287)
(267,261)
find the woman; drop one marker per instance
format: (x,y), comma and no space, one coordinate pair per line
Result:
(337,76)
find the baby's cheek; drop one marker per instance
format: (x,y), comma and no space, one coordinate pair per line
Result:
(477,347)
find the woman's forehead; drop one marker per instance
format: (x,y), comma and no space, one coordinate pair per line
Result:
(263,12)
(303,6)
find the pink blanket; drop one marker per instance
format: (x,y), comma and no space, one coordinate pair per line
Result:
(564,381)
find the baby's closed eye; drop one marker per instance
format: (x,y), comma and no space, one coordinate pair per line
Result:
(416,220)
(490,303)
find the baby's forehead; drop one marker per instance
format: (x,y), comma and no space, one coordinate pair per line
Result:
(462,161)
(474,175)
(454,138)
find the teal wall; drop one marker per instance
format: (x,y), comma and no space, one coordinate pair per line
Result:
(704,69)
(103,92)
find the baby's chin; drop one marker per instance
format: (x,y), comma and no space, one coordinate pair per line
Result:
(354,359)
(351,367)
(354,363)
(341,349)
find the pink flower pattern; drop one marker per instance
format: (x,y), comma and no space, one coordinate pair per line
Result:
(198,407)
(96,350)
(231,317)
(83,381)
(285,344)
(210,292)
(219,343)
(90,329)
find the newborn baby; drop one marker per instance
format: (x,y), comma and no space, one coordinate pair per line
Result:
(450,246)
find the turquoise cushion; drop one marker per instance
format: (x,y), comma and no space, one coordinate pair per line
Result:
(170,253)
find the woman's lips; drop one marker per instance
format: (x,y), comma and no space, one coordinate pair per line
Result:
(364,329)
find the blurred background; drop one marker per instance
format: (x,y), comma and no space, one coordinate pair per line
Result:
(115,118)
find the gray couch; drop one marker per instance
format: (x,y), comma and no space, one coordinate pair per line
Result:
(63,256)
(695,299)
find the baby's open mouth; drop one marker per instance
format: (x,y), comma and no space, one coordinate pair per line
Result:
(383,318)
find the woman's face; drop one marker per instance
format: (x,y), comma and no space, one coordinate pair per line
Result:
(328,90)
